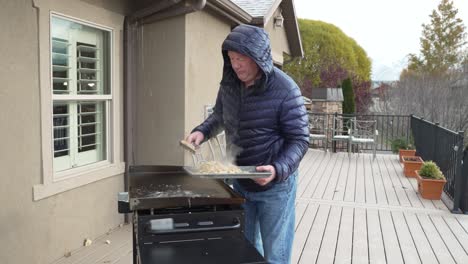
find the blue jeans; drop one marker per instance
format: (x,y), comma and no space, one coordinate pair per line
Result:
(269,219)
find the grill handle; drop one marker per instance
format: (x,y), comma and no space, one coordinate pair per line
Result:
(123,205)
(236,225)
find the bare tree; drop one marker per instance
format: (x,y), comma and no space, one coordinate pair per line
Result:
(442,99)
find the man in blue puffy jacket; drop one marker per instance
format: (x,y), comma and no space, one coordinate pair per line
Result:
(262,112)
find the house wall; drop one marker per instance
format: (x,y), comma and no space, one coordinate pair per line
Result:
(279,41)
(160,93)
(41,231)
(204,66)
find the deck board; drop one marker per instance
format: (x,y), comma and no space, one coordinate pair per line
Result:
(350,188)
(345,246)
(314,240)
(400,192)
(369,180)
(381,195)
(461,234)
(318,188)
(453,245)
(421,242)
(442,253)
(329,240)
(387,182)
(302,232)
(376,245)
(360,187)
(390,239)
(406,243)
(340,187)
(332,183)
(349,209)
(405,183)
(360,245)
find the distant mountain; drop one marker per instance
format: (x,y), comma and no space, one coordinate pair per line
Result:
(386,73)
(383,72)
(377,83)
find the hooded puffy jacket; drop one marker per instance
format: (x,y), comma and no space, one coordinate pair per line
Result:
(266,124)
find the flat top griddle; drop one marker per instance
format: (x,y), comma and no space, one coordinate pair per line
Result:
(158,187)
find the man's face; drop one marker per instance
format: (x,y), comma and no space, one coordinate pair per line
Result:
(245,68)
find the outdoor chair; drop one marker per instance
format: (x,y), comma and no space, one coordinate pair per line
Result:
(364,132)
(341,130)
(318,129)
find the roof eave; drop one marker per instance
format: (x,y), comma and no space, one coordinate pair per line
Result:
(270,12)
(230,10)
(238,15)
(292,28)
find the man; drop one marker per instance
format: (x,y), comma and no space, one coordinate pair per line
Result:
(262,112)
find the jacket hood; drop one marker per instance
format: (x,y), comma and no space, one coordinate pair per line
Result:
(250,41)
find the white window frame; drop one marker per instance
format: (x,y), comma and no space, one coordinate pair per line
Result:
(54,183)
(75,99)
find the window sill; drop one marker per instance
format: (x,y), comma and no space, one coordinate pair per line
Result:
(41,191)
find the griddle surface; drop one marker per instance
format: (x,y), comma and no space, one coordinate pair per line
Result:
(171,186)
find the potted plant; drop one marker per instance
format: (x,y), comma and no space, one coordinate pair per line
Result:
(411,164)
(402,147)
(431,181)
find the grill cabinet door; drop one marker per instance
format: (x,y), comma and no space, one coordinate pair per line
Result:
(228,250)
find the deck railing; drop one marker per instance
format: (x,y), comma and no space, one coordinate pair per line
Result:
(445,148)
(389,127)
(464,199)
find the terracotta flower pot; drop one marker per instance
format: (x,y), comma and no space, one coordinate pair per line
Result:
(406,152)
(430,188)
(411,164)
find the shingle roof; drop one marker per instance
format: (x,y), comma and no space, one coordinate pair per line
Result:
(327,94)
(255,8)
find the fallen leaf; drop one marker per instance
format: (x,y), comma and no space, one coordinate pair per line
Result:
(87,242)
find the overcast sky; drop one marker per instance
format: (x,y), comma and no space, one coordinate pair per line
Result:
(387,30)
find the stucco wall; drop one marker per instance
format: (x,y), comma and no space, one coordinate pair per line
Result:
(42,231)
(204,66)
(279,41)
(160,93)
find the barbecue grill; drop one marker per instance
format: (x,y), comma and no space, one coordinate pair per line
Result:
(178,218)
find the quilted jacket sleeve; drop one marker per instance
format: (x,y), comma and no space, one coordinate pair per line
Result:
(213,125)
(294,128)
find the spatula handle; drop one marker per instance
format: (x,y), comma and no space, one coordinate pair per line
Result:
(188,146)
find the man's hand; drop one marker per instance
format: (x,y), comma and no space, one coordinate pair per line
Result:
(265,181)
(195,138)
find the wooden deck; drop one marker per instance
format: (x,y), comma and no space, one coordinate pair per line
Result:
(349,209)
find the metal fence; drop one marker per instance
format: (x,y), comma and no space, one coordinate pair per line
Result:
(464,199)
(390,127)
(445,148)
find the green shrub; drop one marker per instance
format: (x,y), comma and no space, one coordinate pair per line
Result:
(430,170)
(348,97)
(400,143)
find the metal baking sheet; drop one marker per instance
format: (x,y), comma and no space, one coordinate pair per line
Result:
(248,172)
